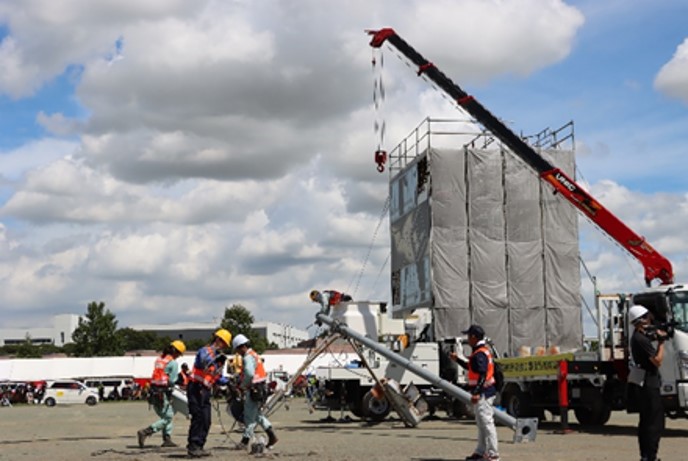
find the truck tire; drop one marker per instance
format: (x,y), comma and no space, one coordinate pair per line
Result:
(356,408)
(517,403)
(460,410)
(596,415)
(375,409)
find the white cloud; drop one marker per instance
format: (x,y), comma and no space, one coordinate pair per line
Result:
(672,78)
(35,154)
(227,154)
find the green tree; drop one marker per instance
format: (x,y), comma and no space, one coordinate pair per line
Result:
(133,340)
(239,320)
(27,350)
(96,334)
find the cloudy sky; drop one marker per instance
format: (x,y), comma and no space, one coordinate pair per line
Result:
(171,158)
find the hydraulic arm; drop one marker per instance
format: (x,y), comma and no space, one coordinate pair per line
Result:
(656,266)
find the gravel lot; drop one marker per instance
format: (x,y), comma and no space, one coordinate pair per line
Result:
(108,432)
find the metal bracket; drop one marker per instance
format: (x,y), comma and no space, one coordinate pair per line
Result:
(525,430)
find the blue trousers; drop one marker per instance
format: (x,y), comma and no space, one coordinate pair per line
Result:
(253,416)
(198,397)
(165,412)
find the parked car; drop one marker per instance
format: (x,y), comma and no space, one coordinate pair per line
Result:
(68,391)
(114,387)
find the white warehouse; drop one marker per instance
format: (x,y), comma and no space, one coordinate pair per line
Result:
(60,333)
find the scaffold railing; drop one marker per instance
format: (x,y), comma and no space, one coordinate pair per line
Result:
(463,133)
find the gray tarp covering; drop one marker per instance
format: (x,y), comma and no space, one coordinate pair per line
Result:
(492,245)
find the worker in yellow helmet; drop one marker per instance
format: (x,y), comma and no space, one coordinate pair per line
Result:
(207,371)
(165,374)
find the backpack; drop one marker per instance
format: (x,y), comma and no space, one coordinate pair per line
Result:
(498,376)
(498,371)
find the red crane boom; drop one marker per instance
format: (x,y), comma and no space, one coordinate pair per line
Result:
(656,265)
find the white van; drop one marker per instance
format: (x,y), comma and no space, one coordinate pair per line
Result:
(68,391)
(123,384)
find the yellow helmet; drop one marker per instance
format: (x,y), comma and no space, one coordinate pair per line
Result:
(224,335)
(313,295)
(179,345)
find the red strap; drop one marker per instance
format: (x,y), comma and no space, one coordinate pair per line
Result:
(422,69)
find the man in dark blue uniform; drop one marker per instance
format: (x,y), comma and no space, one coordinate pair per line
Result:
(649,358)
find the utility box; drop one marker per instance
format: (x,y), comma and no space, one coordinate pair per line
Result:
(477,237)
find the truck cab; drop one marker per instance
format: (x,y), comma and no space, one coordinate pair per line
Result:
(668,305)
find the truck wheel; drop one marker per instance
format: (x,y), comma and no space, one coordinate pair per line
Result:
(356,408)
(596,415)
(375,409)
(517,403)
(459,410)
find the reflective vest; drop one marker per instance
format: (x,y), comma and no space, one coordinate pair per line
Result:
(209,375)
(473,376)
(160,378)
(183,378)
(334,297)
(259,375)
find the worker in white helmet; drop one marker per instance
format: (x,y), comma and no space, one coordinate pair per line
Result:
(648,357)
(253,383)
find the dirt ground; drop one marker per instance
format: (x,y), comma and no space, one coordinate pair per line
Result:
(108,432)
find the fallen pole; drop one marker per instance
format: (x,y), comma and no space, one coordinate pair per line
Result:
(525,429)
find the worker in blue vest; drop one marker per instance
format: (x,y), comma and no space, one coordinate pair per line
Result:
(206,372)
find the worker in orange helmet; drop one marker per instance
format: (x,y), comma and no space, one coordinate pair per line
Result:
(165,375)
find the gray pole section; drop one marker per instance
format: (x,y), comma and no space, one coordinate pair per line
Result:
(525,428)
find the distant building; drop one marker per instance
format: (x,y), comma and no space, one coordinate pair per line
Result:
(59,334)
(284,336)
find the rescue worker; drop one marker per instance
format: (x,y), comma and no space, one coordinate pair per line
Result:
(184,376)
(253,384)
(649,358)
(481,382)
(327,299)
(165,373)
(206,372)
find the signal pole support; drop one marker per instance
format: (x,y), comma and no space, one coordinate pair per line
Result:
(525,429)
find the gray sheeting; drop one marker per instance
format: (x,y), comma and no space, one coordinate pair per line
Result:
(492,246)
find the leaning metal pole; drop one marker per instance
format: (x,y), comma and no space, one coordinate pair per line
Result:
(525,429)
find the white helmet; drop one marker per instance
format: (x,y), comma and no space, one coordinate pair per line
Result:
(635,312)
(239,340)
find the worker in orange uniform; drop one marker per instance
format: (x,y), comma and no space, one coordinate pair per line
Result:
(184,376)
(327,299)
(206,372)
(482,385)
(165,373)
(253,383)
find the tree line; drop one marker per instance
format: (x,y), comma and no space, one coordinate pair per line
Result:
(97,335)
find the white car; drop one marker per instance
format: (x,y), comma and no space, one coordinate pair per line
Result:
(68,391)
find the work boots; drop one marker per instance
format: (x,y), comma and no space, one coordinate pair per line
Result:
(243,445)
(272,438)
(142,434)
(167,442)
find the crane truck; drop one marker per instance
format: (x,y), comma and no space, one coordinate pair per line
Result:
(595,381)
